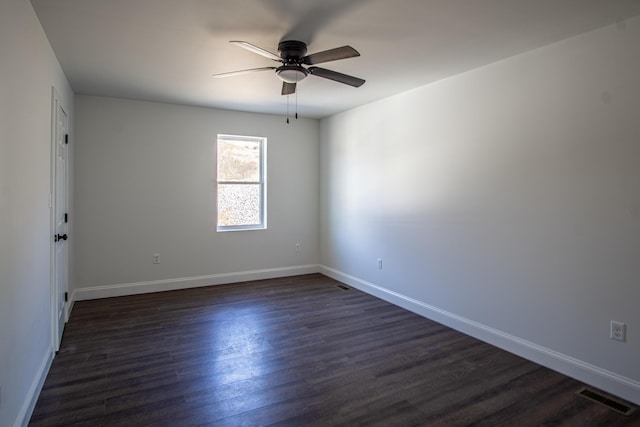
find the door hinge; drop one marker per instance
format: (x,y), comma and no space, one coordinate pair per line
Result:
(66,296)
(66,218)
(66,138)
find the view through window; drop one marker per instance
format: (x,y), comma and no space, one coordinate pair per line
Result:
(241,182)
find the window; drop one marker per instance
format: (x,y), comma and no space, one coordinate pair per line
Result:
(241,183)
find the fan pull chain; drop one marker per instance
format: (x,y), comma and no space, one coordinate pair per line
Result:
(296,98)
(287,109)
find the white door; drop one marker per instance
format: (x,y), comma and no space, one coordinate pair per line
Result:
(60,223)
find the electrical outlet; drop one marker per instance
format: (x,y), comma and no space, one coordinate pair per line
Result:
(297,247)
(618,331)
(379,263)
(156,258)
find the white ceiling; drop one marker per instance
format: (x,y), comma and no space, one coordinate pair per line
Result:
(167,50)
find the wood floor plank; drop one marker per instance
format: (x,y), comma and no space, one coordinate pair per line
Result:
(296,351)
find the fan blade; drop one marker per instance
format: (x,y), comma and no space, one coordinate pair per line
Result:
(335,76)
(288,88)
(239,73)
(256,49)
(330,55)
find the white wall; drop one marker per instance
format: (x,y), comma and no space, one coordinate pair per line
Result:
(504,201)
(28,70)
(144,184)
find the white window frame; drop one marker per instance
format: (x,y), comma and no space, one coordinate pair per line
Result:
(262,183)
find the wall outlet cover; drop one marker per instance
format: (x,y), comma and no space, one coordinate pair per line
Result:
(618,331)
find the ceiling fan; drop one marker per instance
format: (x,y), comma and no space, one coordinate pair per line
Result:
(293,55)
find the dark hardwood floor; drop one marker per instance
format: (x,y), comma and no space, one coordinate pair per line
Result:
(297,351)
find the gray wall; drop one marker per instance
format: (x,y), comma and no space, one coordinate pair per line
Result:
(504,201)
(28,70)
(145,180)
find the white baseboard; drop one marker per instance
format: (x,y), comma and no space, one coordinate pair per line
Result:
(117,290)
(24,416)
(595,376)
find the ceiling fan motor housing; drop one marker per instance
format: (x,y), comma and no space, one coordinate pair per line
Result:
(292,51)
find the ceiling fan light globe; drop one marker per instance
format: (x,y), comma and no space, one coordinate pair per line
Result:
(291,74)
